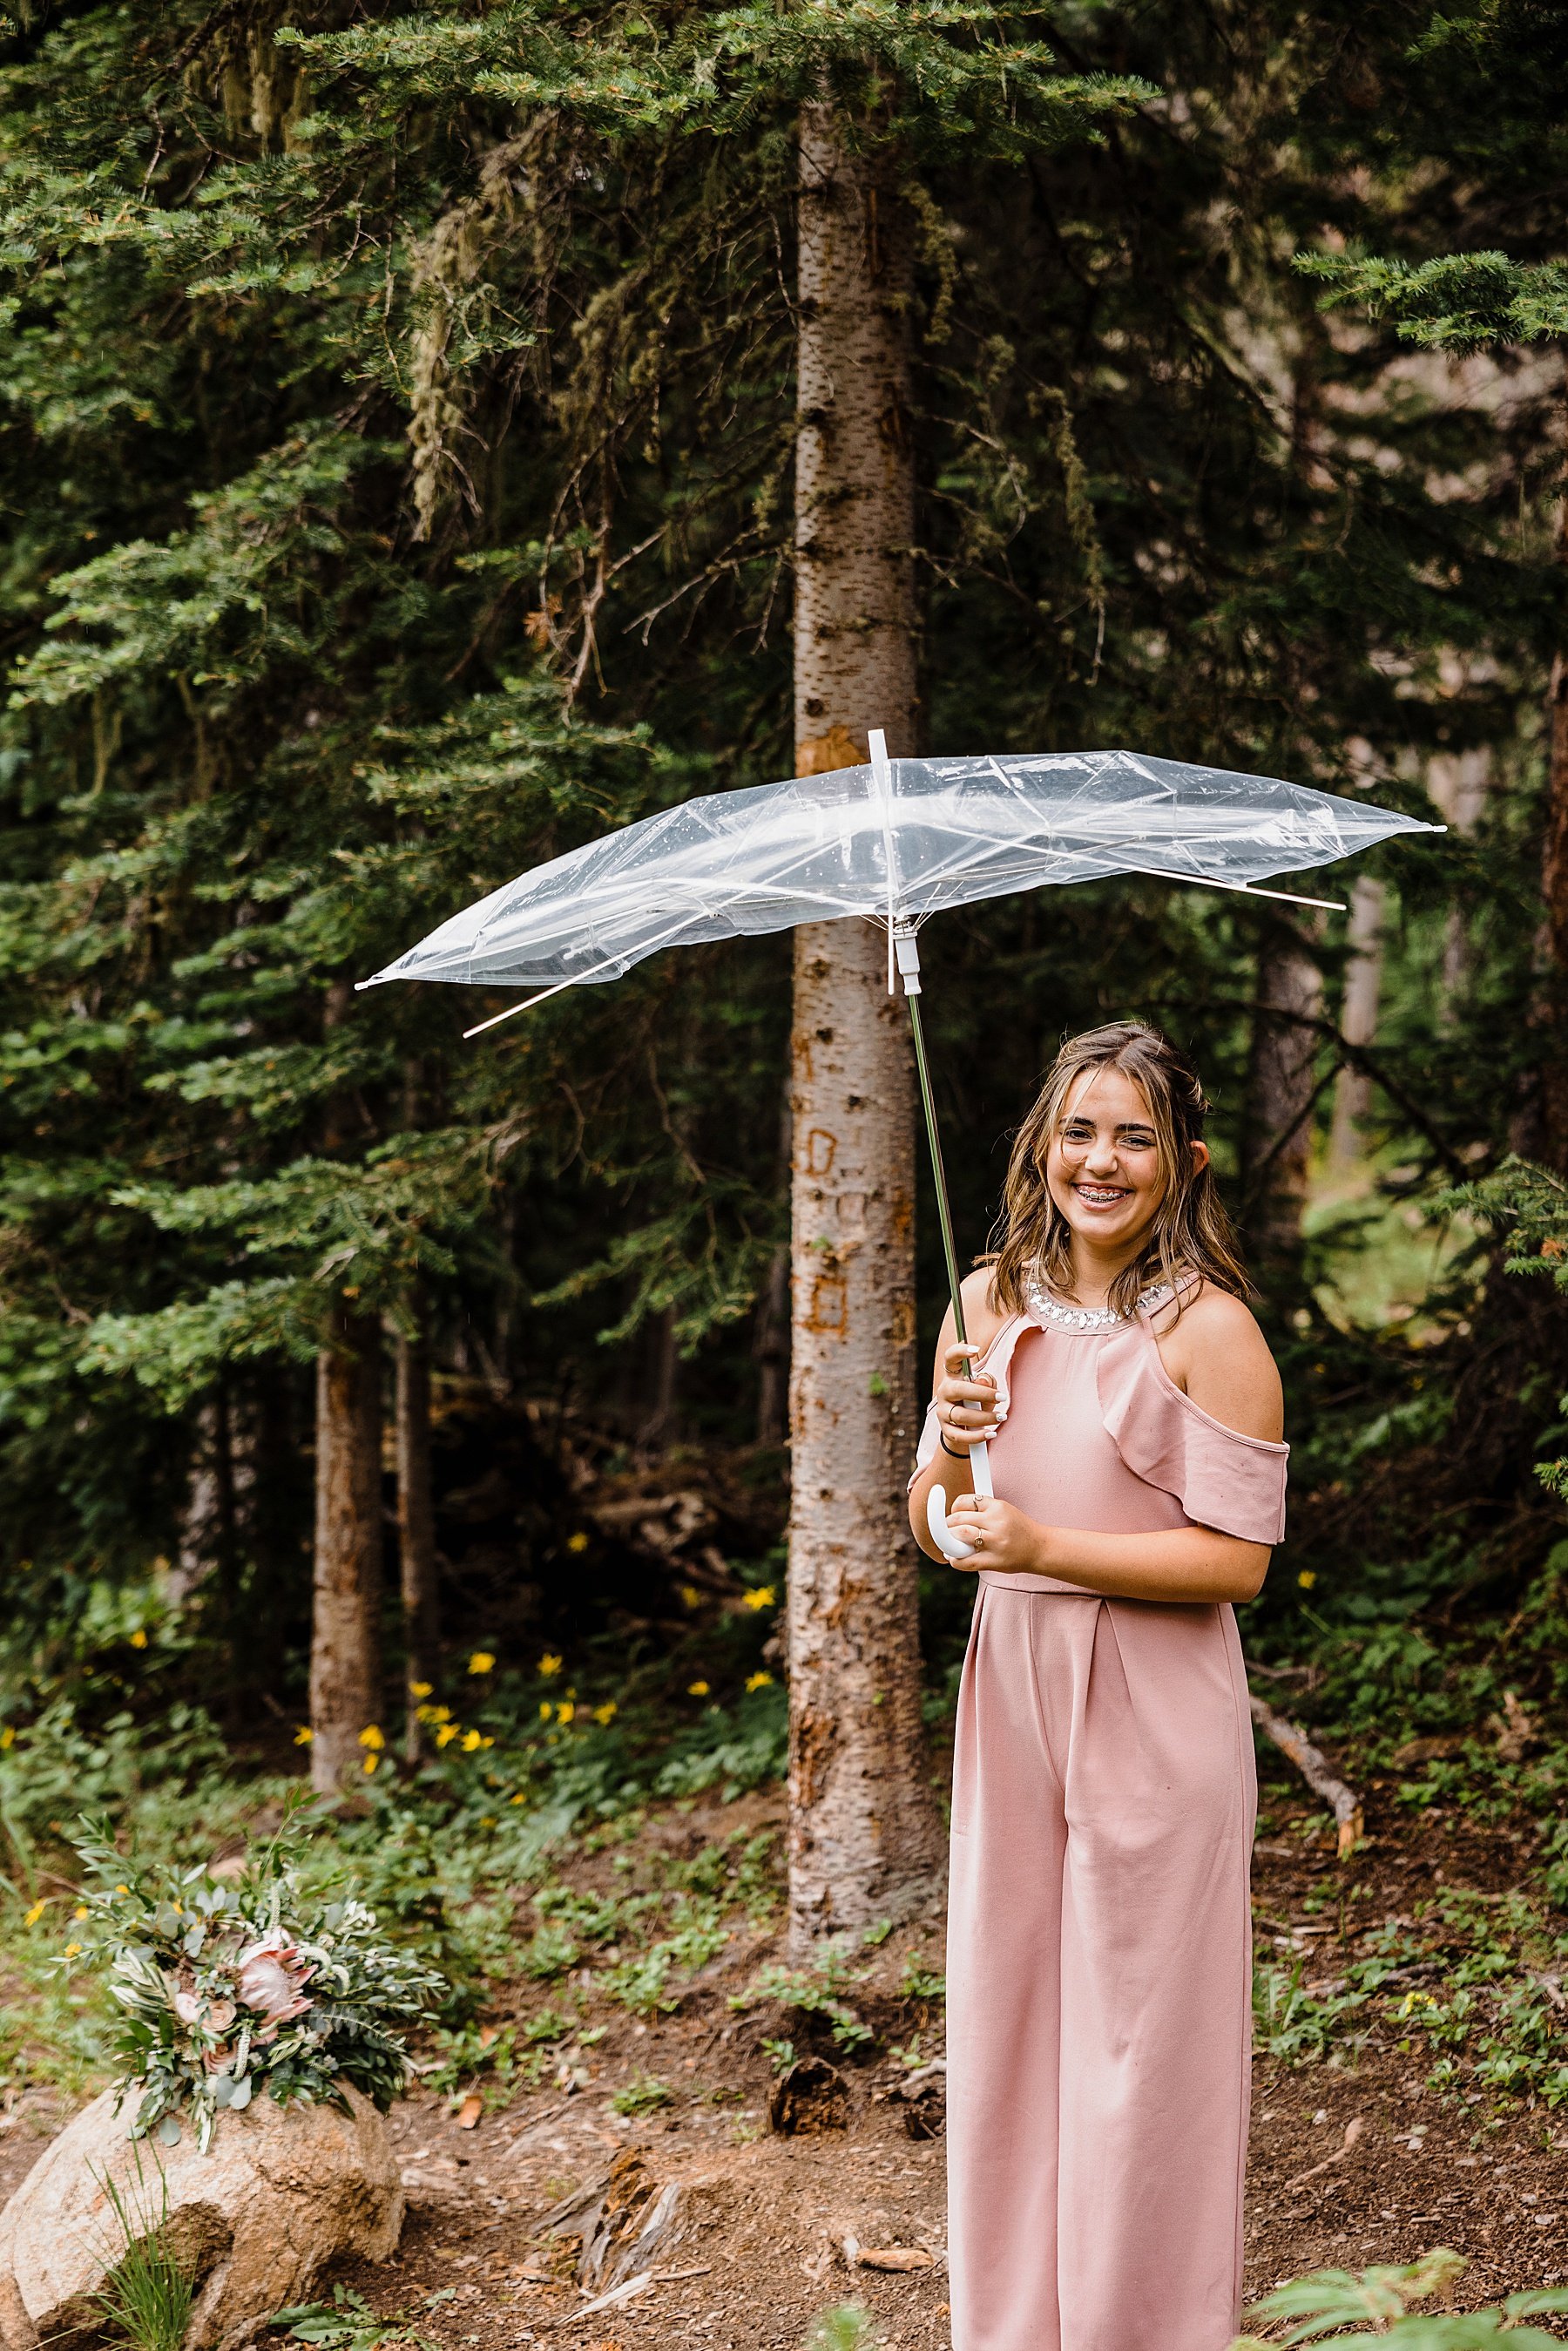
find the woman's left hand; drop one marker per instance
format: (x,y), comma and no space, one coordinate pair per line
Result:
(1004,1538)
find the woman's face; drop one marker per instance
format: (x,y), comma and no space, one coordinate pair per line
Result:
(1102,1164)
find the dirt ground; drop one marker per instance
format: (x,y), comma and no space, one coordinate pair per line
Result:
(1351,2163)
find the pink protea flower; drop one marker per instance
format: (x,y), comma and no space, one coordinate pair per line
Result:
(273,1977)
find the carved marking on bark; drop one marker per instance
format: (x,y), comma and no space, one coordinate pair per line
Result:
(828,1309)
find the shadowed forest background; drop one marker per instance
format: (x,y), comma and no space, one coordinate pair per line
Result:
(397,422)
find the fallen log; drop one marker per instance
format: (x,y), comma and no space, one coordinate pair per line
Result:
(1293,1741)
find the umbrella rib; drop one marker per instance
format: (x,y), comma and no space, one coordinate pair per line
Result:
(575,980)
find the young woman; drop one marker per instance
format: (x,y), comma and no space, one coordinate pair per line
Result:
(1099,1941)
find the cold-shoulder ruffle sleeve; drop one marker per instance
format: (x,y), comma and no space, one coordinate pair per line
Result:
(1222,1480)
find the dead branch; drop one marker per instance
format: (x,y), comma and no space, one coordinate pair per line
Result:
(1294,1742)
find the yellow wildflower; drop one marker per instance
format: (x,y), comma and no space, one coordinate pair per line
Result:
(549,1665)
(758,1681)
(122,1889)
(36,1912)
(481,1662)
(8,1736)
(1307,1578)
(690,1596)
(545,1710)
(371,1761)
(139,1639)
(763,1598)
(606,1713)
(578,1542)
(470,1739)
(446,1734)
(697,1689)
(304,1735)
(435,1714)
(420,1690)
(72,1950)
(566,1711)
(81,1911)
(373,1737)
(520,1798)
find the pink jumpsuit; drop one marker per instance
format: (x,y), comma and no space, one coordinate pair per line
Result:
(1099,1948)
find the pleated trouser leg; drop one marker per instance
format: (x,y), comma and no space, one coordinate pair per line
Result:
(1098,1977)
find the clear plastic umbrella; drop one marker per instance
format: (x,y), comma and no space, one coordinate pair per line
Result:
(896,839)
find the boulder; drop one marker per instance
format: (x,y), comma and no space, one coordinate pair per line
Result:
(280,2192)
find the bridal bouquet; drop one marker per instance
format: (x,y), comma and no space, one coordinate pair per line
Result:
(232,1986)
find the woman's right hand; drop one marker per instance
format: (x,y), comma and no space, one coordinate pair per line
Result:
(965,1402)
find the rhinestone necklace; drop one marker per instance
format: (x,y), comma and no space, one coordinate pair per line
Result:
(1047,1309)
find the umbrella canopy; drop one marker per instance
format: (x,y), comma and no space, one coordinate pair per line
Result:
(896,839)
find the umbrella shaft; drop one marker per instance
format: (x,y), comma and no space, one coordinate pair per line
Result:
(944,1214)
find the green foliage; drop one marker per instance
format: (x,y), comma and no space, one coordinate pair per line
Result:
(917,1982)
(1372,2307)
(1472,1979)
(229,1989)
(1458,302)
(146,2297)
(643,2095)
(347,2322)
(816,1993)
(747,1751)
(846,2327)
(1288,2022)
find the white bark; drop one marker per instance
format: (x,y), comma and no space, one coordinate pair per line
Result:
(865,1841)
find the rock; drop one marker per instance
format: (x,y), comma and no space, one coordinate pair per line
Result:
(279,2194)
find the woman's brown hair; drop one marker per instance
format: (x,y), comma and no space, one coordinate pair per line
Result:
(1191,1231)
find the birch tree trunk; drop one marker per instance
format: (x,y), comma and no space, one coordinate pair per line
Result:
(1282,1082)
(416,1528)
(344,1644)
(863,1839)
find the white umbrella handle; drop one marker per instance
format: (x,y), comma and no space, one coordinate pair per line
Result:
(945,1537)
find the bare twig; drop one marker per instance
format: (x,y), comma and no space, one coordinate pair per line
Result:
(1294,1742)
(1353,2130)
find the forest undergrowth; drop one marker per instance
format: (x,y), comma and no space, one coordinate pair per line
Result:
(588,1846)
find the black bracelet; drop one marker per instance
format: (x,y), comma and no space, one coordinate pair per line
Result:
(950,1451)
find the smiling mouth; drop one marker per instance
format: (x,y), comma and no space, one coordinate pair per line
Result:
(1101,1196)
